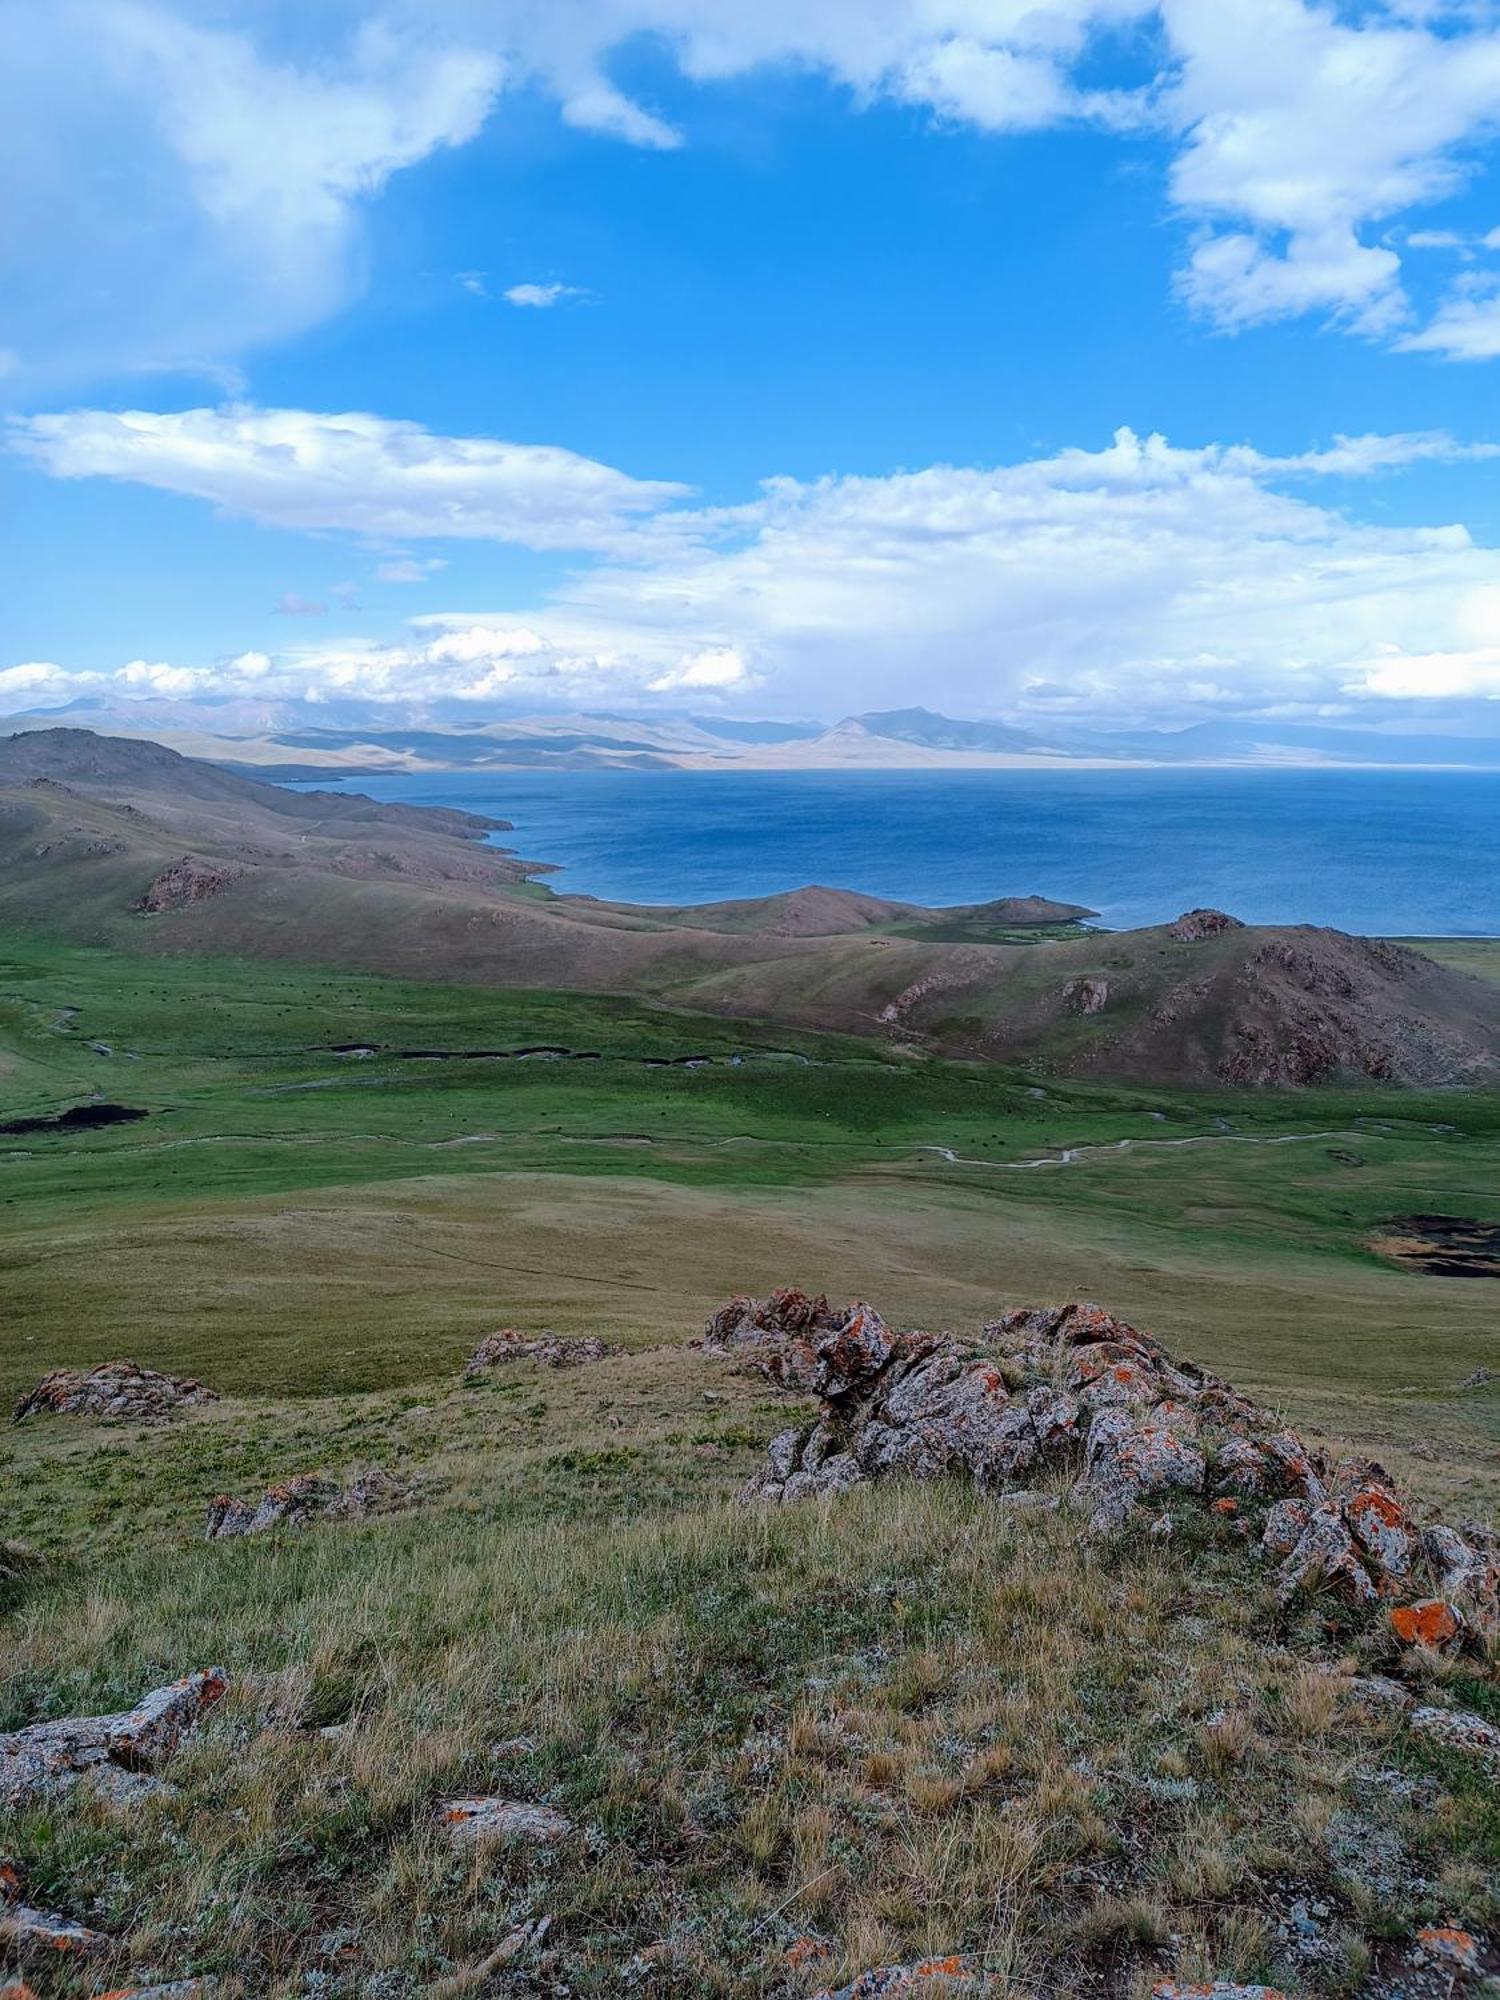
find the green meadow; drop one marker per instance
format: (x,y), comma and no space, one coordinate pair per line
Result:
(291,1219)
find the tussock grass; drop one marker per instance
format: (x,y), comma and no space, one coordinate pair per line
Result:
(900,1722)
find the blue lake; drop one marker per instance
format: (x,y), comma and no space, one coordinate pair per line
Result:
(1405,852)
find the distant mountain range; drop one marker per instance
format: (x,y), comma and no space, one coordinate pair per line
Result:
(303,738)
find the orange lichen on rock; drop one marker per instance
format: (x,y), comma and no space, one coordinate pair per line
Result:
(1431,1623)
(1446,1941)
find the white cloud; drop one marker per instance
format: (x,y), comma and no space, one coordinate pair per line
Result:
(1307,125)
(718,667)
(1431,676)
(185,179)
(33,677)
(361,474)
(292,605)
(599,107)
(409,569)
(178,193)
(541,295)
(1466,326)
(1138,581)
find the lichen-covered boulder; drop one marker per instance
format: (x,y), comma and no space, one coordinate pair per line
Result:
(800,1342)
(105,1750)
(1213,1989)
(469,1822)
(1070,1392)
(1317,1550)
(113,1389)
(306,1497)
(1129,1458)
(1457,1729)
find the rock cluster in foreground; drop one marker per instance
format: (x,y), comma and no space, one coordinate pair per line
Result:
(113,1389)
(1069,1393)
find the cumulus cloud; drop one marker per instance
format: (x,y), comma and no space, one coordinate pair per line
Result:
(1466,326)
(1136,581)
(362,474)
(244,144)
(1307,124)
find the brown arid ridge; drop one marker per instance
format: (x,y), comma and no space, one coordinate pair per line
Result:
(124,843)
(1069,1403)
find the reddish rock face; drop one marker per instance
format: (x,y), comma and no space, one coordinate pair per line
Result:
(187,881)
(1195,925)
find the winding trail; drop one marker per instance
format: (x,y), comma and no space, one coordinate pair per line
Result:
(1070,1155)
(1067,1156)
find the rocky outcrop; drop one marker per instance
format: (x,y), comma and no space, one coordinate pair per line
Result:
(113,1389)
(187,881)
(1071,1395)
(552,1350)
(471,1821)
(116,1756)
(1086,996)
(1195,925)
(306,1497)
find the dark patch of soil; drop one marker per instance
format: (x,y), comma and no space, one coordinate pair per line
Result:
(82,1118)
(1444,1246)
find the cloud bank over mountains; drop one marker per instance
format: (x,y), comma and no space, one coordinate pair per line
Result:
(206,173)
(1139,580)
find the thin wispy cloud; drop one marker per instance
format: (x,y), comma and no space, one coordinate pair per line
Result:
(351,471)
(542,296)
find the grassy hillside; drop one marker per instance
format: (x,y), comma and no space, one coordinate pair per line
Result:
(123,844)
(790,1747)
(292,1217)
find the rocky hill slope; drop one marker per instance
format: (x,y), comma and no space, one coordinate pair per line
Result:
(114,841)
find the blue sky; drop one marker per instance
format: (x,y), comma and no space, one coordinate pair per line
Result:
(824,321)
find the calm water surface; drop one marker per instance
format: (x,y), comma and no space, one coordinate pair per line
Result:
(1394,851)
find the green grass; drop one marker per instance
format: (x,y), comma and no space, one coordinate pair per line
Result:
(899,1724)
